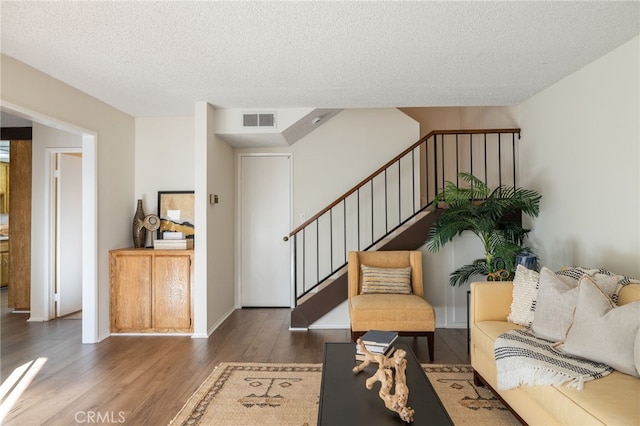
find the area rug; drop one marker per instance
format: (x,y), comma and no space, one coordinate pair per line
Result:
(250,394)
(466,403)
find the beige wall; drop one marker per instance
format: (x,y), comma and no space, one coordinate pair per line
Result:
(342,152)
(580,149)
(164,154)
(221,221)
(214,293)
(54,103)
(457,118)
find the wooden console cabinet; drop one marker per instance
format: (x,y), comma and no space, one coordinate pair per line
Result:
(151,290)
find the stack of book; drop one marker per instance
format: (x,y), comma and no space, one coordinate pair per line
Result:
(377,342)
(173,244)
(173,241)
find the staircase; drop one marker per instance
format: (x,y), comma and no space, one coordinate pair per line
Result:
(392,209)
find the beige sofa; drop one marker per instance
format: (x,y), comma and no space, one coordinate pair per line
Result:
(611,400)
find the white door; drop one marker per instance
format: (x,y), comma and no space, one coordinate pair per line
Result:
(69,234)
(265,219)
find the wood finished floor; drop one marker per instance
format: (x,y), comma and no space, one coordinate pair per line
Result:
(149,378)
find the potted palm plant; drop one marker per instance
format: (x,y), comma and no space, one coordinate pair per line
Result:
(475,207)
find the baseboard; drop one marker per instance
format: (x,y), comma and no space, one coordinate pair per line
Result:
(214,326)
(33,319)
(199,336)
(328,327)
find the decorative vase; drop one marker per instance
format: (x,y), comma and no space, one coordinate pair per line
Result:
(527,260)
(139,231)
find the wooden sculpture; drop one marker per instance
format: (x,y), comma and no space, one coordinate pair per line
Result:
(387,366)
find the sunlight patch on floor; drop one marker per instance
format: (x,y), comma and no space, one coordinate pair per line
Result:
(12,388)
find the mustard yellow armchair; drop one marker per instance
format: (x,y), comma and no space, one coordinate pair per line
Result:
(387,294)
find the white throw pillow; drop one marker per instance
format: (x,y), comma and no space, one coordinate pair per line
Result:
(554,306)
(601,331)
(525,290)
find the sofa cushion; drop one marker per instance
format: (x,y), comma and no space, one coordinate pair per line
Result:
(610,400)
(601,331)
(393,312)
(525,290)
(485,333)
(386,280)
(628,294)
(554,307)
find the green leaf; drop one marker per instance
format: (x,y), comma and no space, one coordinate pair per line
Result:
(464,273)
(473,206)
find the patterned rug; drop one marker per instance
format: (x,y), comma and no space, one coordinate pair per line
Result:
(466,403)
(288,394)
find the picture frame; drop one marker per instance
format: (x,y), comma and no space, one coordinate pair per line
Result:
(176,212)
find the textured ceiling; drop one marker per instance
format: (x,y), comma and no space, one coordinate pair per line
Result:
(158,58)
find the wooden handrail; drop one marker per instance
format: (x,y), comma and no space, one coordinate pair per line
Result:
(395,159)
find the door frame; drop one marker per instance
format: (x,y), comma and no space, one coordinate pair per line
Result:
(238,256)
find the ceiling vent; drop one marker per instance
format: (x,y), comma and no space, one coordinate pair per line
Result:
(259,120)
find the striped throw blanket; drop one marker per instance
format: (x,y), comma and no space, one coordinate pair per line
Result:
(524,359)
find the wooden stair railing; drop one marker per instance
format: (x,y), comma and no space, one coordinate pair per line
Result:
(393,195)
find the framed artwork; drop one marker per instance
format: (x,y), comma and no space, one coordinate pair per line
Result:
(176,212)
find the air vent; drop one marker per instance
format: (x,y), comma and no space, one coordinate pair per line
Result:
(259,120)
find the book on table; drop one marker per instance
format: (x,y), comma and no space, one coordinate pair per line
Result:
(376,342)
(379,337)
(374,349)
(388,350)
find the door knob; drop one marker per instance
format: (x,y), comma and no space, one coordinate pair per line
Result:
(285,238)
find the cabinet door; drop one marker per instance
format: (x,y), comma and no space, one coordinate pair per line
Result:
(130,293)
(172,293)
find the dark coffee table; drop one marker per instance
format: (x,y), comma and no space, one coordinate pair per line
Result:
(344,399)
